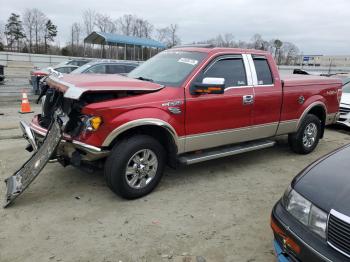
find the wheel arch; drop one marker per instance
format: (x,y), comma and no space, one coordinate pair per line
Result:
(156,128)
(318,109)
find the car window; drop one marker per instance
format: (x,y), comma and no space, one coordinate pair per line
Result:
(66,69)
(232,69)
(96,69)
(70,69)
(129,68)
(263,71)
(115,69)
(61,69)
(71,62)
(346,87)
(82,62)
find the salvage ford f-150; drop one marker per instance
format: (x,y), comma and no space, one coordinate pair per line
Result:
(184,105)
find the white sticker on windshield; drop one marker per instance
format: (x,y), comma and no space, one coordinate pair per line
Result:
(188,61)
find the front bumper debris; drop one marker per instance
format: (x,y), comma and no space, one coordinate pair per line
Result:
(28,134)
(22,178)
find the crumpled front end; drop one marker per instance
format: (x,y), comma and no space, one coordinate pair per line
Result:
(51,137)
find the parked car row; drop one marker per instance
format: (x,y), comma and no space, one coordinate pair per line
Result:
(83,66)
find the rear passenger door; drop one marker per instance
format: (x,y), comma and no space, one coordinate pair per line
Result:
(267,95)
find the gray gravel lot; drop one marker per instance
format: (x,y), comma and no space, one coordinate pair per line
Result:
(218,210)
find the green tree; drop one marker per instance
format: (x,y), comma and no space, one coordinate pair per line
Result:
(14,31)
(50,33)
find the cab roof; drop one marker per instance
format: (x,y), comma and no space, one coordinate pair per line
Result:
(216,50)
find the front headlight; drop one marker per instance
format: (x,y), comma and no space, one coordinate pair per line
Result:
(304,211)
(92,123)
(318,221)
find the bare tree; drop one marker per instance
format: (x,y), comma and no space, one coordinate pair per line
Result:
(105,24)
(39,22)
(142,28)
(257,42)
(125,24)
(76,30)
(290,52)
(161,34)
(89,17)
(169,35)
(174,38)
(2,31)
(29,22)
(135,26)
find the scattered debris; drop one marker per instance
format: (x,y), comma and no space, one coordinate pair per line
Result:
(156,222)
(200,259)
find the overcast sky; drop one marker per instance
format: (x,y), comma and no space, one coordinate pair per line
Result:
(315,26)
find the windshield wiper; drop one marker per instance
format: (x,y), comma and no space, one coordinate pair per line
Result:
(144,79)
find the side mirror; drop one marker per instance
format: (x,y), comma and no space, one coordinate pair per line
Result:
(209,85)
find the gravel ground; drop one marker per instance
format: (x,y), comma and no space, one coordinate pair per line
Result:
(215,211)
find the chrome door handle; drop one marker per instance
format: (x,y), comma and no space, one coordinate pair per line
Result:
(248,99)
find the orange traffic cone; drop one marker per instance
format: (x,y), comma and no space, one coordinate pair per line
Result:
(25,106)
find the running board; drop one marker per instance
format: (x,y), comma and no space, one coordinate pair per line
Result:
(193,158)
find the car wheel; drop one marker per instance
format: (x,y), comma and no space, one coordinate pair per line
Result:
(135,166)
(305,140)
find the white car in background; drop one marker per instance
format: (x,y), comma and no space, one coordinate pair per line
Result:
(344,109)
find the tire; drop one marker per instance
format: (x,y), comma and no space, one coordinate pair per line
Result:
(142,176)
(305,140)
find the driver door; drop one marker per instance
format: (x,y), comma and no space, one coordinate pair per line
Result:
(218,119)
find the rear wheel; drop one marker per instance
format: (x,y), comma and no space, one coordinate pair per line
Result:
(135,166)
(305,140)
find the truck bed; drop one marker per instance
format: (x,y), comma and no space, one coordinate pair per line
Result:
(304,80)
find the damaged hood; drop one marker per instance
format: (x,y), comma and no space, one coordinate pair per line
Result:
(73,86)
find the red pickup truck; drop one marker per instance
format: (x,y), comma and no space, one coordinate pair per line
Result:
(184,105)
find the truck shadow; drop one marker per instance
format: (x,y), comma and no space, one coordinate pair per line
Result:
(60,184)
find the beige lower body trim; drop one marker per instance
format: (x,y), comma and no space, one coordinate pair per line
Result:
(286,127)
(214,139)
(332,118)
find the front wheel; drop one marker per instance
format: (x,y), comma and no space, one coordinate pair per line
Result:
(305,140)
(135,166)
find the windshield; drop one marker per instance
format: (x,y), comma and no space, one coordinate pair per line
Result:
(168,67)
(346,87)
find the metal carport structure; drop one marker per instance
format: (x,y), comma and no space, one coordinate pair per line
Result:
(115,40)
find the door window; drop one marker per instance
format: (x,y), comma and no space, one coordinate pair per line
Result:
(129,68)
(231,69)
(263,71)
(115,69)
(97,69)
